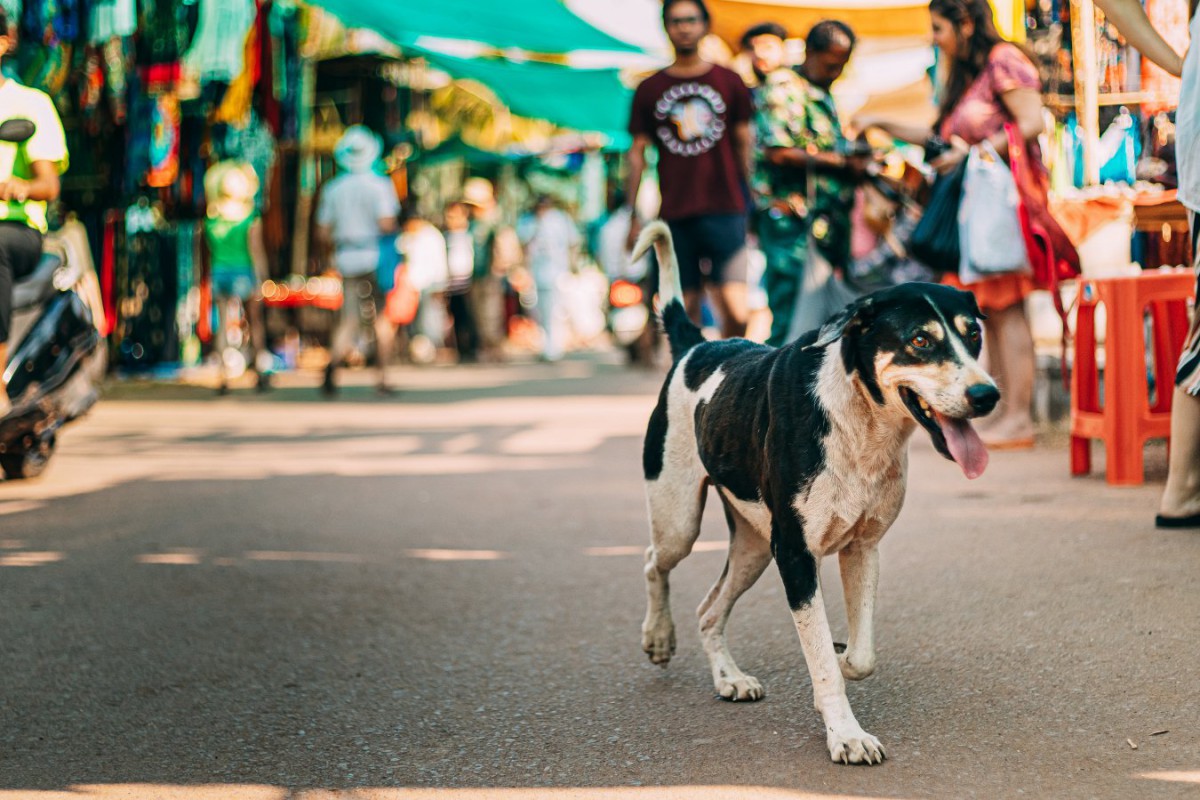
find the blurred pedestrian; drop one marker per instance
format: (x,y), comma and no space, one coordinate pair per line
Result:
(237,261)
(494,245)
(990,82)
(357,219)
(423,248)
(697,114)
(460,263)
(550,248)
(1180,503)
(803,179)
(611,238)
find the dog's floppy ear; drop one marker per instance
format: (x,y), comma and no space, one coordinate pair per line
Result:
(855,315)
(975,306)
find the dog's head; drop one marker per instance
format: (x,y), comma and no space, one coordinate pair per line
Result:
(916,347)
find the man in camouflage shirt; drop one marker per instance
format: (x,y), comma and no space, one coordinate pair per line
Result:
(797,131)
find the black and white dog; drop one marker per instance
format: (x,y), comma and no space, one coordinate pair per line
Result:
(807,448)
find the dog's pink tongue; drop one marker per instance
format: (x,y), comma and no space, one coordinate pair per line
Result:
(965,445)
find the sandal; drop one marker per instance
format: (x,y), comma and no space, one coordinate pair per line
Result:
(1025,443)
(1162,521)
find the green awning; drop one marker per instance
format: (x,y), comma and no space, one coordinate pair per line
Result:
(539,26)
(592,100)
(454,149)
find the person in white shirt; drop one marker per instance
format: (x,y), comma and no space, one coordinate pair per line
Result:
(1180,503)
(423,249)
(356,218)
(29,173)
(549,248)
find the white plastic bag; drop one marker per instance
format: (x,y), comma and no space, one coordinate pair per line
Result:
(989,229)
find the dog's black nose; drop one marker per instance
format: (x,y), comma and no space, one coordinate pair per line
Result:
(983,397)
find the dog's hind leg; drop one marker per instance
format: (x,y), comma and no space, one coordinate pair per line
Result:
(749,555)
(676,499)
(860,578)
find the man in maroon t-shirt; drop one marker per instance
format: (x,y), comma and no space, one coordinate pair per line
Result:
(697,115)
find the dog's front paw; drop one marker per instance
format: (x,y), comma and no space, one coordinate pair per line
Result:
(855,747)
(658,642)
(855,669)
(740,687)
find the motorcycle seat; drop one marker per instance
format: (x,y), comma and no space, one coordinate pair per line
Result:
(38,285)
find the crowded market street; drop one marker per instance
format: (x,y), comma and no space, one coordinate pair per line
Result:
(273,596)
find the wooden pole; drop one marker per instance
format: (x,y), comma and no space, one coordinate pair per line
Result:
(1087,86)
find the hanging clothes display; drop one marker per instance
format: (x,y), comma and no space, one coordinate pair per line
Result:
(151,92)
(146,326)
(112,18)
(235,107)
(217,50)
(164,141)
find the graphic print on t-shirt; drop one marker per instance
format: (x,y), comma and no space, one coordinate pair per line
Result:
(691,117)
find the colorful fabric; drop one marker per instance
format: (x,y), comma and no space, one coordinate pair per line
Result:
(691,122)
(216,52)
(791,112)
(112,18)
(47,144)
(164,141)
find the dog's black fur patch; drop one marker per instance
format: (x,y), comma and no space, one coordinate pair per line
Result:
(654,446)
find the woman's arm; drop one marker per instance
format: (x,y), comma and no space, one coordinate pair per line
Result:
(1025,108)
(904,131)
(1130,19)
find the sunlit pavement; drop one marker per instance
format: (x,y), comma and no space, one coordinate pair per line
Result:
(437,596)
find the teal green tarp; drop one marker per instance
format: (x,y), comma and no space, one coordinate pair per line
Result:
(592,100)
(539,26)
(454,149)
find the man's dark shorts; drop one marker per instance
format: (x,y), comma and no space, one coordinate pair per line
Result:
(711,249)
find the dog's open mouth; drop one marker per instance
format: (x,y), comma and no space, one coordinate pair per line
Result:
(954,438)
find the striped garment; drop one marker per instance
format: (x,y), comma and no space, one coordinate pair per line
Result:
(1187,377)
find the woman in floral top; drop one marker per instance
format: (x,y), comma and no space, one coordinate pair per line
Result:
(990,82)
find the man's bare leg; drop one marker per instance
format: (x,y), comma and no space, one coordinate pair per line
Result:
(691,304)
(732,307)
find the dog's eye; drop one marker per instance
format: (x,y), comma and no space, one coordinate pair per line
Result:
(920,341)
(973,335)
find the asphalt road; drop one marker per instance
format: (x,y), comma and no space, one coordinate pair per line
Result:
(439,596)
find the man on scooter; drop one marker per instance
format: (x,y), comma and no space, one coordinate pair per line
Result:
(29,173)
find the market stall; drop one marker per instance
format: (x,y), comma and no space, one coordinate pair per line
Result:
(1112,141)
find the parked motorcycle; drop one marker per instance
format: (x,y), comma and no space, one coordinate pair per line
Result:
(57,358)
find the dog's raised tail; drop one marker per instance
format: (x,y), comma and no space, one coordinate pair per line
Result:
(682,333)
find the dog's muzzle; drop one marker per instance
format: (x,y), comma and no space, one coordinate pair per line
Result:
(983,398)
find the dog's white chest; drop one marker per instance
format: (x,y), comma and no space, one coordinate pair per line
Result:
(850,501)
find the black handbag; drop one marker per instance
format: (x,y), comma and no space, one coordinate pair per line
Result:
(935,239)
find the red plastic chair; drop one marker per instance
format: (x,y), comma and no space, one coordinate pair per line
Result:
(1126,419)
